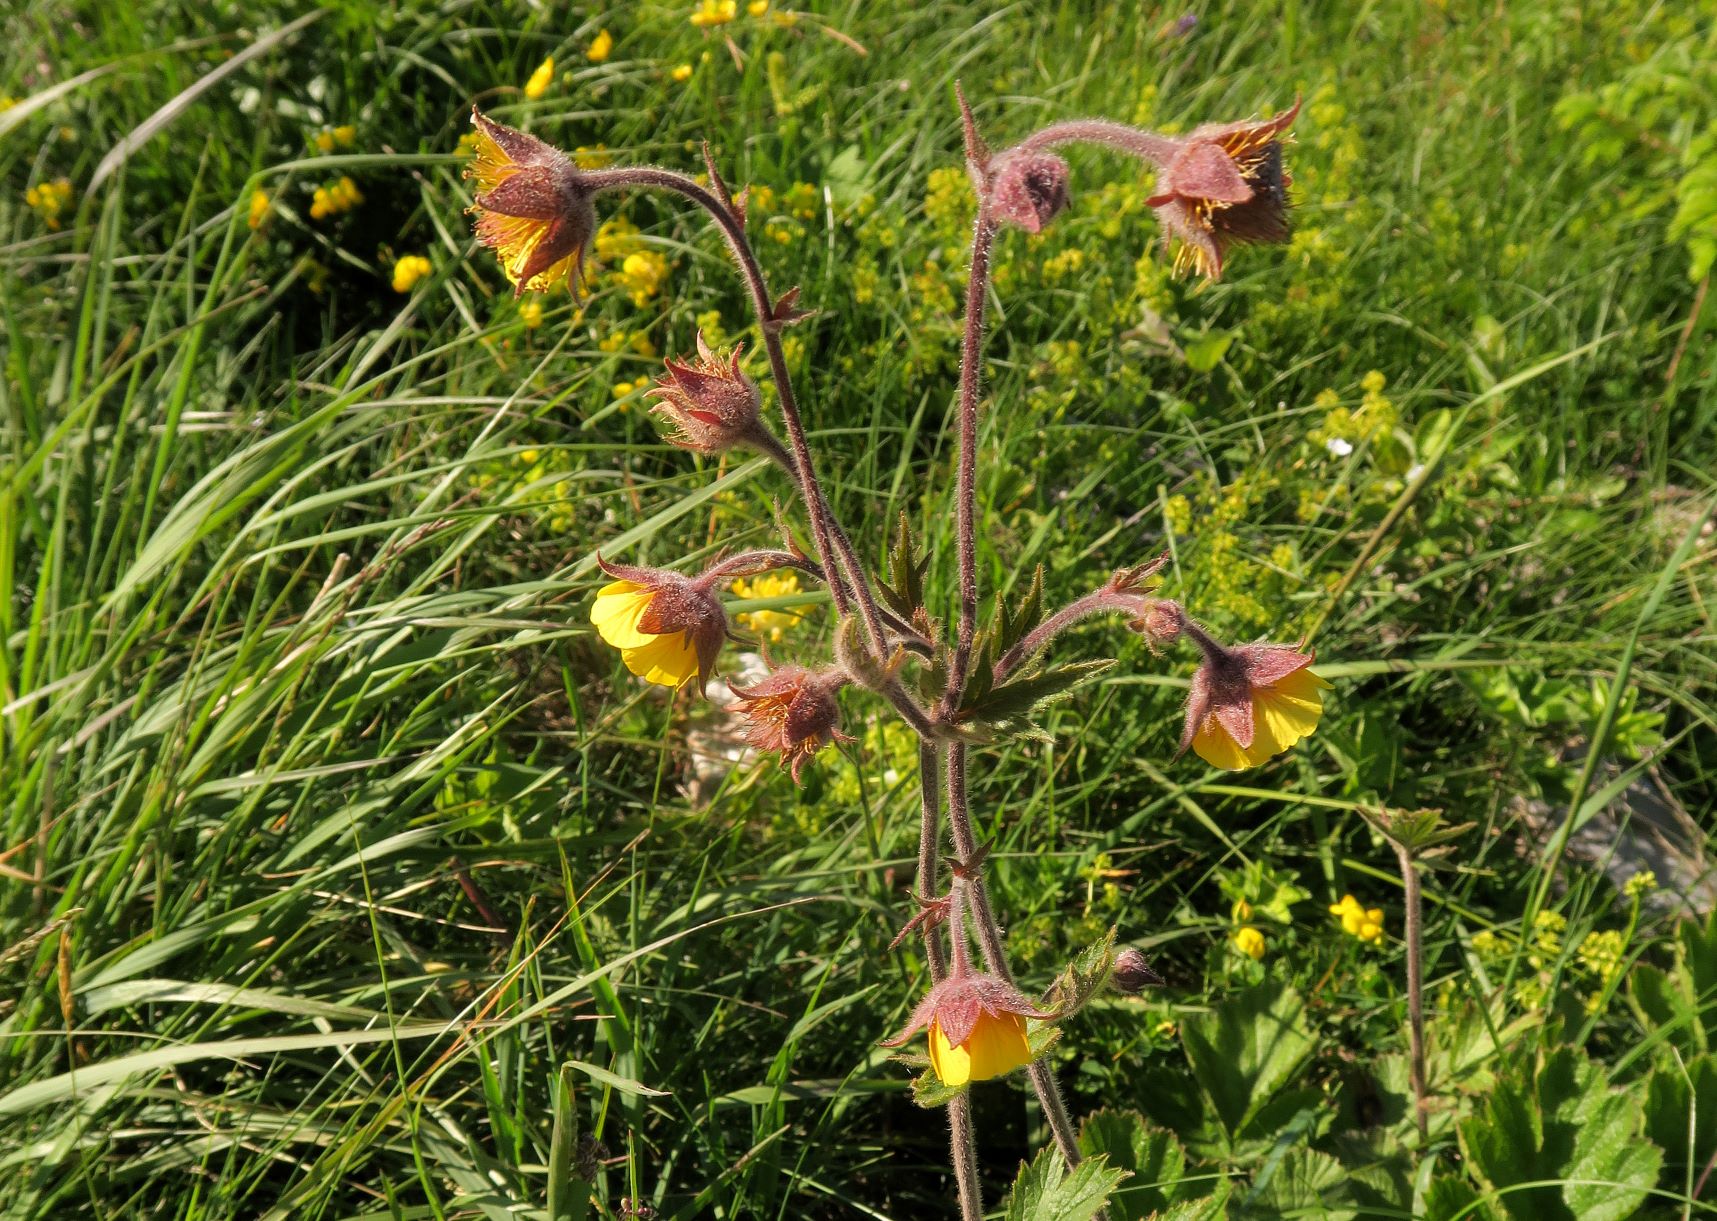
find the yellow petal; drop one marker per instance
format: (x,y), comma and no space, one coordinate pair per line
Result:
(668,661)
(1213,744)
(996,1046)
(616,612)
(950,1063)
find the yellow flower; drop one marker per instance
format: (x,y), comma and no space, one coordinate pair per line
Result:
(642,272)
(1366,923)
(1250,703)
(324,141)
(343,196)
(682,73)
(7,101)
(531,314)
(409,270)
(996,1046)
(1250,942)
(258,209)
(714,12)
(770,623)
(757,7)
(668,629)
(601,47)
(49,199)
(540,80)
(532,208)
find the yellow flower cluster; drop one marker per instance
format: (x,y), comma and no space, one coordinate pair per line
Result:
(681,73)
(343,196)
(531,314)
(409,270)
(330,138)
(601,47)
(592,158)
(1366,923)
(642,273)
(772,624)
(638,341)
(49,199)
(540,80)
(1642,883)
(711,13)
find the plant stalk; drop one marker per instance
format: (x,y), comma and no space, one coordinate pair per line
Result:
(1415,988)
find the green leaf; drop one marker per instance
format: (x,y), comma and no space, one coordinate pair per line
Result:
(1247,1049)
(1013,628)
(1304,1183)
(1082,978)
(1008,709)
(568,1194)
(1681,1117)
(929,1090)
(1046,1191)
(1205,352)
(904,589)
(1152,1156)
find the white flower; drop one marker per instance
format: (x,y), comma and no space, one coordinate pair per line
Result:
(1338,448)
(1414,471)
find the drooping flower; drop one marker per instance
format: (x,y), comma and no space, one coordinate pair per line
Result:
(711,403)
(1250,703)
(409,270)
(977,1028)
(601,47)
(533,209)
(669,628)
(1225,186)
(1366,923)
(541,79)
(792,712)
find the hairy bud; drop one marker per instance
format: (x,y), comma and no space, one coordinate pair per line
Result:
(712,404)
(1028,189)
(1132,972)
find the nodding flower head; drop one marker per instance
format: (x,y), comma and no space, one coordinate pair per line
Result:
(1225,186)
(793,713)
(977,1027)
(533,207)
(669,628)
(711,403)
(1028,189)
(1250,703)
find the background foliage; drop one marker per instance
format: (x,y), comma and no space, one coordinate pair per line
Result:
(345,875)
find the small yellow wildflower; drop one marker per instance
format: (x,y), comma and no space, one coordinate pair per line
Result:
(1373,382)
(1642,883)
(1486,944)
(757,7)
(258,209)
(714,12)
(1250,942)
(343,196)
(330,138)
(770,623)
(409,270)
(49,199)
(1601,953)
(1366,923)
(643,272)
(531,314)
(681,73)
(540,80)
(7,101)
(591,158)
(601,47)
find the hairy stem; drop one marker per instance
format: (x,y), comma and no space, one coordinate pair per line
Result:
(830,539)
(995,953)
(1415,989)
(966,491)
(1098,602)
(1145,145)
(965,1157)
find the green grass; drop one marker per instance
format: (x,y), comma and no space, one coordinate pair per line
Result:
(295,653)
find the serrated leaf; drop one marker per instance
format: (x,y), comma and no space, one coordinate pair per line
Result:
(1150,1154)
(1082,978)
(1246,1049)
(1305,1183)
(1013,628)
(930,1091)
(1047,1191)
(904,589)
(1008,709)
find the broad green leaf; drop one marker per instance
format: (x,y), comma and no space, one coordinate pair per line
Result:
(1047,1191)
(1247,1049)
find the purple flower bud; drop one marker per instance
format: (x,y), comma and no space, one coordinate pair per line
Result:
(1028,189)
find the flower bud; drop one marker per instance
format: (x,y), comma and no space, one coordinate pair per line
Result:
(1161,624)
(1028,189)
(669,628)
(1132,973)
(712,404)
(793,712)
(533,207)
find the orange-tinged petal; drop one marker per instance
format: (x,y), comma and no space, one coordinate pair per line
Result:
(996,1046)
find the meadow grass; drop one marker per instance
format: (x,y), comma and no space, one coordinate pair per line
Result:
(341,868)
